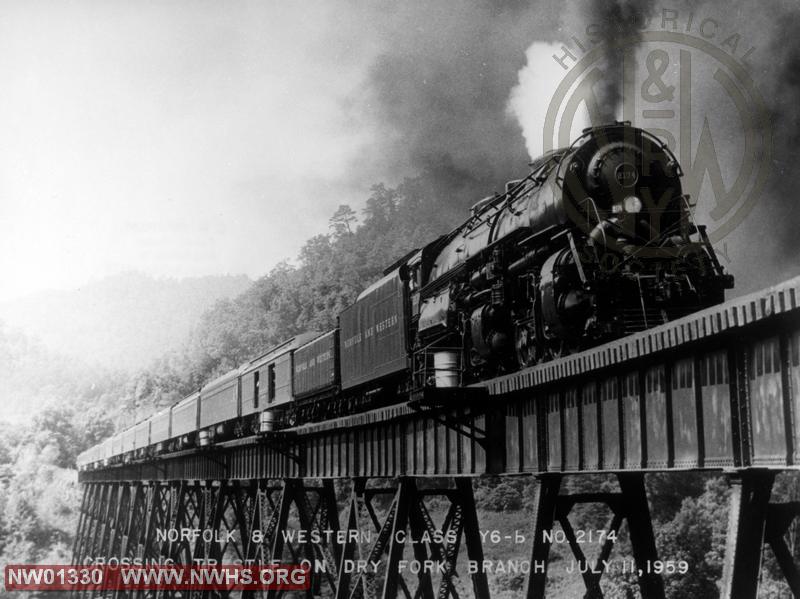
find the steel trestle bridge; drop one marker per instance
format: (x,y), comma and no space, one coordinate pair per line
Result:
(718,390)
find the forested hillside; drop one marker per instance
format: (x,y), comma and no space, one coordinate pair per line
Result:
(53,408)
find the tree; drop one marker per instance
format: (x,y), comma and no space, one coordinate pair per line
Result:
(53,431)
(381,206)
(697,535)
(341,219)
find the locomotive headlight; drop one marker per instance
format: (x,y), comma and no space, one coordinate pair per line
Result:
(632,204)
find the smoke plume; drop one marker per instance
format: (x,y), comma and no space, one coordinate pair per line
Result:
(437,92)
(440,94)
(536,87)
(618,24)
(781,90)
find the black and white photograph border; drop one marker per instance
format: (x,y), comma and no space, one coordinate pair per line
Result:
(400,300)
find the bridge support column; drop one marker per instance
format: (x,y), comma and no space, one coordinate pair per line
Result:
(640,529)
(630,503)
(745,537)
(752,522)
(544,514)
(84,524)
(779,519)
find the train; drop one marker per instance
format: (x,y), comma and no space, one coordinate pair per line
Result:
(597,241)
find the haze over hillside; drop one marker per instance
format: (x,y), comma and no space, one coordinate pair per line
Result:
(122,322)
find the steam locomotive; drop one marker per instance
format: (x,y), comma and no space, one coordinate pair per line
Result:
(596,242)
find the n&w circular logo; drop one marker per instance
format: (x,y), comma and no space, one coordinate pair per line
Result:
(689,84)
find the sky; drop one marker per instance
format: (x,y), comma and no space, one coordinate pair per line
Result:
(178,139)
(185,138)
